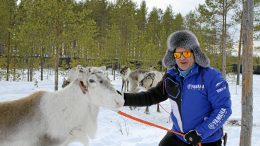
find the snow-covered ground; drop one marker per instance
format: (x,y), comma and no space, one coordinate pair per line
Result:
(115,130)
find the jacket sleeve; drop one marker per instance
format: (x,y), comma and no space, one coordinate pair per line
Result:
(219,98)
(152,96)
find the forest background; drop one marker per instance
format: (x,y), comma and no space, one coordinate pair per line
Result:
(60,34)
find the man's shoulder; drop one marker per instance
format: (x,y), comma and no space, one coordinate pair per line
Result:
(211,71)
(212,75)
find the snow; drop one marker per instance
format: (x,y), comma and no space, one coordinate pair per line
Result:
(115,130)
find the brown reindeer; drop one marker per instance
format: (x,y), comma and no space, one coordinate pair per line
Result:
(124,72)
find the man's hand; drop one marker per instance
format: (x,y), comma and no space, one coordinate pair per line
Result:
(192,137)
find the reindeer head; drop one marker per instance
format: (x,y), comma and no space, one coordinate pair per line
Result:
(73,74)
(147,81)
(97,89)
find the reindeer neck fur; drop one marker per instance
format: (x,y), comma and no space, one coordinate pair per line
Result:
(69,108)
(151,79)
(137,75)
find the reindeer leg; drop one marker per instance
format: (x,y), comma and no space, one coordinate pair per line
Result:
(123,84)
(158,108)
(147,110)
(127,85)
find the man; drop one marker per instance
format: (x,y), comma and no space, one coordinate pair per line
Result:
(199,95)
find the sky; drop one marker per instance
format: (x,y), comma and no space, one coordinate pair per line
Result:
(115,130)
(178,6)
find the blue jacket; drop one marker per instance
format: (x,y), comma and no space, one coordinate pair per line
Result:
(202,102)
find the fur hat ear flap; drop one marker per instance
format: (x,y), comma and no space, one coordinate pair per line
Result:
(168,60)
(200,58)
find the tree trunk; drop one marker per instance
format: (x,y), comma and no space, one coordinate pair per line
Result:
(28,74)
(224,52)
(8,57)
(239,51)
(56,69)
(31,73)
(14,74)
(247,79)
(42,61)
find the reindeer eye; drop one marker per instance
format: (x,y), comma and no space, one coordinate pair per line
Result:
(100,82)
(91,80)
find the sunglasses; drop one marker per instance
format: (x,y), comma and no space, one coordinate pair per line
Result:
(185,54)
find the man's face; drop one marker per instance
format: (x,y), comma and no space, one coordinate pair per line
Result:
(184,58)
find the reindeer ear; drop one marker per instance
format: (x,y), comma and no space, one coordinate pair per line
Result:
(65,83)
(83,87)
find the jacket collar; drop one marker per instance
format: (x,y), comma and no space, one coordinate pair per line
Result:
(175,73)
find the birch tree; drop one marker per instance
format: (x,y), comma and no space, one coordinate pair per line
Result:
(247,72)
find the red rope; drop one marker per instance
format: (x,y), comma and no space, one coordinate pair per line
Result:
(150,124)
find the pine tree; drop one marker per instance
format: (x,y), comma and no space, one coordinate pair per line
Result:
(7,23)
(153,38)
(218,10)
(123,16)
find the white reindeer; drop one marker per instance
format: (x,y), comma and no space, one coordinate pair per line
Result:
(150,80)
(58,118)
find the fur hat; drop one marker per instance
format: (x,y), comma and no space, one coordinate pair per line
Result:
(184,39)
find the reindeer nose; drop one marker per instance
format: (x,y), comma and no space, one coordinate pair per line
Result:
(119,103)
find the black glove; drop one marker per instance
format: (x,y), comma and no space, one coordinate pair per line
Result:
(192,137)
